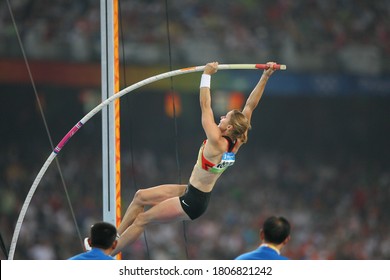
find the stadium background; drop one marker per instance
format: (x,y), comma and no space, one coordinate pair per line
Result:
(318,153)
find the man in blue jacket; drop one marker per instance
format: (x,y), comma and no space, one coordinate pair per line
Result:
(274,236)
(100,244)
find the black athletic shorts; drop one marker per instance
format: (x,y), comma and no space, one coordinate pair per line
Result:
(194,202)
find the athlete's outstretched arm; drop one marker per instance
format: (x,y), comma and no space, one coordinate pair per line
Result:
(211,129)
(256,94)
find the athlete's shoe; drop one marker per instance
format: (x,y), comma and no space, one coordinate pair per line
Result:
(86,245)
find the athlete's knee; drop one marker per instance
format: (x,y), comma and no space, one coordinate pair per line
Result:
(140,197)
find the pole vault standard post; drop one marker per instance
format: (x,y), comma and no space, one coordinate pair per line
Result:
(111,167)
(97,109)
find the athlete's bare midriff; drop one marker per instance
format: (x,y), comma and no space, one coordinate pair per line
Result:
(202,179)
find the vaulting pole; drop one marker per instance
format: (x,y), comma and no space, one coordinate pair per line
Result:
(106,103)
(110,114)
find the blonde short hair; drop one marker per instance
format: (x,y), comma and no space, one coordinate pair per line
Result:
(240,125)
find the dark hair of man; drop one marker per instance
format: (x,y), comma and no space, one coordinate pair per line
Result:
(276,230)
(102,235)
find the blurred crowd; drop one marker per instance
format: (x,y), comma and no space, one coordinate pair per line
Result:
(336,35)
(337,202)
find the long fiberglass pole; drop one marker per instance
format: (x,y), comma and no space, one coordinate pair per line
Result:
(97,109)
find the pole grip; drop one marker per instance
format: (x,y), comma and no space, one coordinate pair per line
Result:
(275,66)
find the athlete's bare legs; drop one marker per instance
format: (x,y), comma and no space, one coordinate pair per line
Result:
(149,197)
(168,210)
